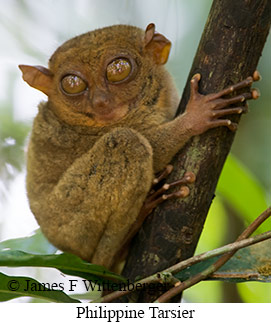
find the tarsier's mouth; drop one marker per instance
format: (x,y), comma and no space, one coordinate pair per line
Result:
(110,117)
(105,113)
(108,114)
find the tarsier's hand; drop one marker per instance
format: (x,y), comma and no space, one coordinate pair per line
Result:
(204,111)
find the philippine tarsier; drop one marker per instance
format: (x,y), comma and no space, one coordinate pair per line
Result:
(108,126)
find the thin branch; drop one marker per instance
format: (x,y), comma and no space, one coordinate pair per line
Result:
(234,246)
(245,276)
(167,274)
(214,267)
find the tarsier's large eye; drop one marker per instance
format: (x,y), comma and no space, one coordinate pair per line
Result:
(118,70)
(73,84)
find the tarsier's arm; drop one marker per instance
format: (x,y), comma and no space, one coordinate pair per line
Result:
(202,112)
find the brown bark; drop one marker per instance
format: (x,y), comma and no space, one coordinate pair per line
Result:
(228,52)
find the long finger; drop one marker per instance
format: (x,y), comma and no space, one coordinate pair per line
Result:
(253,94)
(232,88)
(224,112)
(223,122)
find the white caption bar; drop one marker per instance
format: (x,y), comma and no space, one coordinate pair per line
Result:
(187,312)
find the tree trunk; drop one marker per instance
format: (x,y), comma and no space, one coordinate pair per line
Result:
(228,52)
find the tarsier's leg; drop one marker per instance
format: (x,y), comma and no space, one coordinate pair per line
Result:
(98,198)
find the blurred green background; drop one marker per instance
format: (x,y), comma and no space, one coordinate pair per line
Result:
(31,30)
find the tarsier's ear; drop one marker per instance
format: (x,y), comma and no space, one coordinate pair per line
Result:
(157,44)
(38,77)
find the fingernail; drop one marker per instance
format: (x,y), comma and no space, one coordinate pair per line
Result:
(256,76)
(255,94)
(197,76)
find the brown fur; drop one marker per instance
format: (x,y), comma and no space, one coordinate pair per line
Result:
(92,157)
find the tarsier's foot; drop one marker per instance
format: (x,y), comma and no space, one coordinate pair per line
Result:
(205,110)
(158,193)
(156,196)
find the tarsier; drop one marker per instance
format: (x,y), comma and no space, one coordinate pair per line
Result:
(107,128)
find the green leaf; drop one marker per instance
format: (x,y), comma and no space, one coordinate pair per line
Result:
(13,287)
(36,244)
(242,190)
(255,293)
(67,263)
(216,222)
(248,264)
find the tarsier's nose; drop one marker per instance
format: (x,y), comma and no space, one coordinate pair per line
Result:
(101,102)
